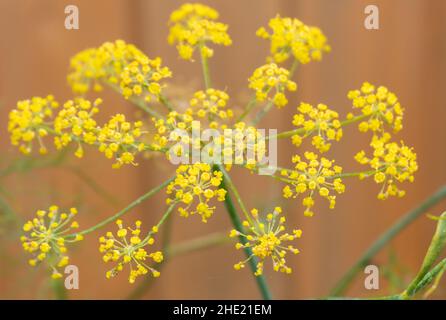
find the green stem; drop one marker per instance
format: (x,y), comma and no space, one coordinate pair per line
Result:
(388,235)
(203,242)
(163,99)
(60,293)
(126,209)
(205,67)
(263,112)
(251,104)
(233,189)
(290,133)
(294,67)
(235,219)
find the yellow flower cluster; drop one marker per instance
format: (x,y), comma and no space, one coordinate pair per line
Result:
(379,105)
(211,103)
(127,248)
(291,37)
(46,236)
(173,132)
(142,78)
(75,122)
(91,66)
(246,143)
(117,63)
(267,239)
(27,122)
(194,26)
(321,120)
(271,77)
(391,163)
(194,187)
(313,176)
(119,139)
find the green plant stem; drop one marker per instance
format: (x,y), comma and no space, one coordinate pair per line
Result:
(235,219)
(435,249)
(165,102)
(210,240)
(287,134)
(233,189)
(388,235)
(294,67)
(205,67)
(126,209)
(59,291)
(263,112)
(251,104)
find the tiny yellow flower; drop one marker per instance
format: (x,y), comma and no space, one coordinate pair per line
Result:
(193,26)
(271,81)
(291,37)
(391,163)
(311,177)
(104,65)
(211,103)
(129,251)
(46,237)
(380,106)
(267,239)
(27,122)
(142,78)
(194,187)
(321,122)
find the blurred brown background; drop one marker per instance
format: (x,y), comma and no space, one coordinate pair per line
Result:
(407,54)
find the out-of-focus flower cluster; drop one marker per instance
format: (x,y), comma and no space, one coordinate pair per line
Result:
(46,236)
(117,64)
(74,123)
(291,37)
(193,26)
(212,104)
(27,122)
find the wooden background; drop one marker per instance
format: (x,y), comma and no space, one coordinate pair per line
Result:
(407,54)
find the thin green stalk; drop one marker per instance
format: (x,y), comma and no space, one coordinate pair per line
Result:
(206,73)
(235,219)
(435,249)
(59,291)
(290,133)
(251,104)
(126,209)
(233,189)
(263,112)
(388,235)
(203,242)
(164,101)
(294,67)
